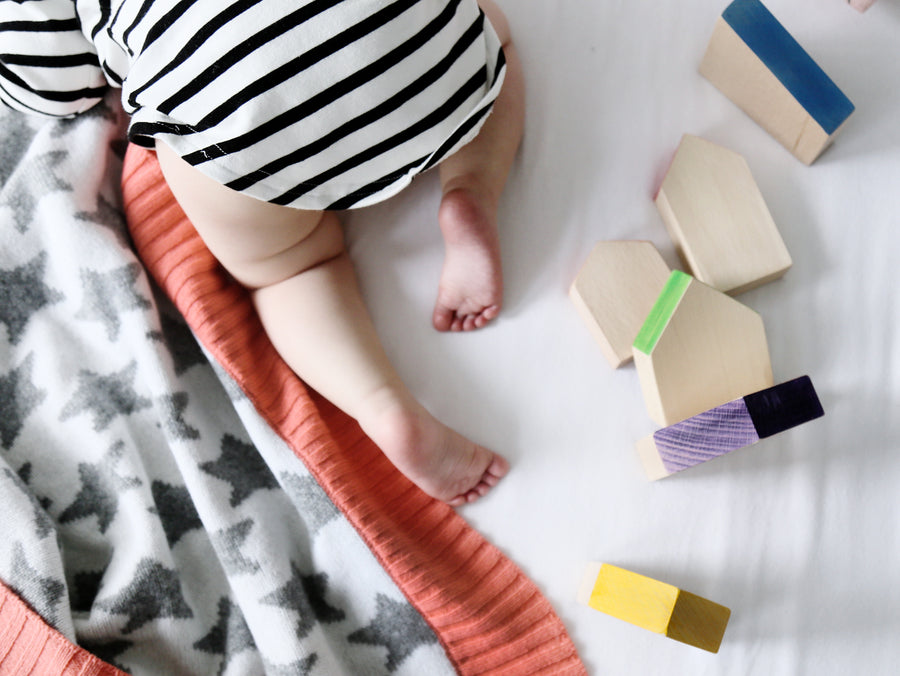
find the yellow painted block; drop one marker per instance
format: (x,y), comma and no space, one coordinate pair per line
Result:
(655,606)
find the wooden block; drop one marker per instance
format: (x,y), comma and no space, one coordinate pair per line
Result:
(614,291)
(718,219)
(861,5)
(757,64)
(728,427)
(697,349)
(655,606)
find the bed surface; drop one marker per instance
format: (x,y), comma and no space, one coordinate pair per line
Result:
(113,423)
(799,535)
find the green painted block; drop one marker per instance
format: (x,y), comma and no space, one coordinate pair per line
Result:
(662,310)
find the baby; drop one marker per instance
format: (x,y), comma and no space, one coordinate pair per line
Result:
(268,116)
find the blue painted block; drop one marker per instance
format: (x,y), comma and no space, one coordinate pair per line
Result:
(789,62)
(757,64)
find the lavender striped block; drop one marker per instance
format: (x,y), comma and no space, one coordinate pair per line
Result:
(728,427)
(706,436)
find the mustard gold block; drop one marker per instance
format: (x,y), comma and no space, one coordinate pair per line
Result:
(698,622)
(653,605)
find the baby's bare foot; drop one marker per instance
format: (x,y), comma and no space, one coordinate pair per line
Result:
(441,462)
(471,287)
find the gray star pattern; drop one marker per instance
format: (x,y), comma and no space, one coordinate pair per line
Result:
(305,594)
(119,146)
(38,178)
(110,217)
(108,651)
(175,509)
(23,293)
(107,295)
(180,341)
(100,111)
(83,589)
(316,587)
(242,466)
(173,407)
(232,388)
(313,503)
(299,668)
(17,139)
(229,636)
(153,594)
(106,396)
(43,524)
(228,542)
(24,474)
(398,627)
(18,398)
(101,488)
(43,593)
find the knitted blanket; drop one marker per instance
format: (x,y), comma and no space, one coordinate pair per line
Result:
(174,500)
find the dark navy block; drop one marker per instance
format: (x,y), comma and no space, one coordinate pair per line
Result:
(789,62)
(783,406)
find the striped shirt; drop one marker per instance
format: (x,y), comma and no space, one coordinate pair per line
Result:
(307,103)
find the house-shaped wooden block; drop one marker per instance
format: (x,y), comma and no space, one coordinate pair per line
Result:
(718,219)
(698,348)
(757,64)
(614,290)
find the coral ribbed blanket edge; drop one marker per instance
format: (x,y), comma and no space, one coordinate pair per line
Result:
(490,618)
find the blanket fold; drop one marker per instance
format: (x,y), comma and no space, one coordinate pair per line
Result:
(489,617)
(29,646)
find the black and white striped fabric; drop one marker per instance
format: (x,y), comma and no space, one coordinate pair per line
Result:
(312,104)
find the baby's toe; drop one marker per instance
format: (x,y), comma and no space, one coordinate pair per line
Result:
(442,319)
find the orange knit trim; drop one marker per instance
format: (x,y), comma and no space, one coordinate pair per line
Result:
(490,618)
(28,645)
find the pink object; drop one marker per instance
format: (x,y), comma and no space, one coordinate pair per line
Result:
(861,5)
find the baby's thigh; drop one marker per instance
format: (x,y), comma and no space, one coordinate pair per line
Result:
(259,243)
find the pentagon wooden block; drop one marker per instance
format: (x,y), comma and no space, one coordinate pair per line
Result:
(698,348)
(614,291)
(736,424)
(718,219)
(655,606)
(757,64)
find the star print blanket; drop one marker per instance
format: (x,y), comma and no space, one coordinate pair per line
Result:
(178,509)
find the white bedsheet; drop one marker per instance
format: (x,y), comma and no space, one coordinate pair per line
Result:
(799,535)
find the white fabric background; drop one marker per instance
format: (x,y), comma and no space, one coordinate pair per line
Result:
(800,535)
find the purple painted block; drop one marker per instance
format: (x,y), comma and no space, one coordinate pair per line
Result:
(706,436)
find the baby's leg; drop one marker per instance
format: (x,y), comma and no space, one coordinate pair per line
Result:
(471,287)
(305,290)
